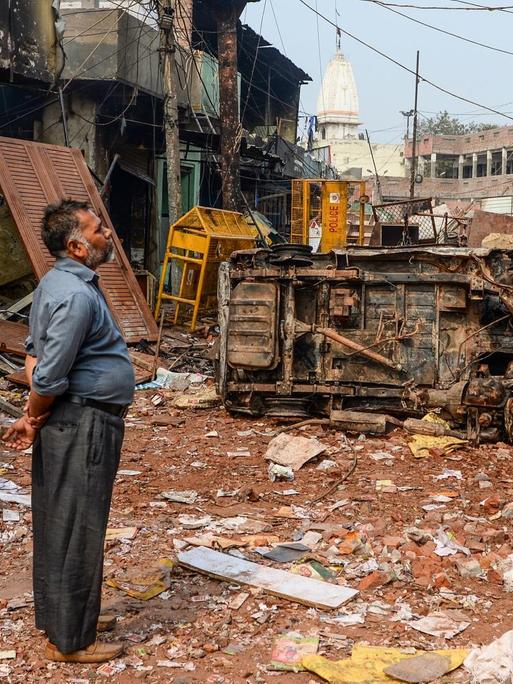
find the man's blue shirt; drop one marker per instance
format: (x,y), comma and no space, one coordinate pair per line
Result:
(76,340)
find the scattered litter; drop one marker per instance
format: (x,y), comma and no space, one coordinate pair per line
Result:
(128,473)
(238,600)
(310,539)
(188,496)
(290,648)
(382,456)
(279,582)
(7,655)
(239,453)
(446,474)
(280,472)
(339,504)
(421,445)
(212,433)
(386,486)
(424,668)
(368,663)
(327,464)
(213,541)
(10,515)
(192,522)
(346,619)
(492,664)
(10,492)
(446,544)
(110,669)
(312,569)
(147,587)
(166,379)
(287,553)
(446,624)
(286,450)
(120,533)
(205,398)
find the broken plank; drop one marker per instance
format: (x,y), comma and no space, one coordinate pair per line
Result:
(9,408)
(18,378)
(309,592)
(18,306)
(12,337)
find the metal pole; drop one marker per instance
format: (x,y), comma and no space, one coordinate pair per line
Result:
(168,65)
(376,174)
(413,171)
(227,14)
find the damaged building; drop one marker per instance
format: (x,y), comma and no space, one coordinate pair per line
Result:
(94,83)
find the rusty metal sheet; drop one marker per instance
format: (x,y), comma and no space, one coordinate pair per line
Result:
(34,174)
(12,337)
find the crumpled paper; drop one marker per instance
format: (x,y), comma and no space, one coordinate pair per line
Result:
(492,664)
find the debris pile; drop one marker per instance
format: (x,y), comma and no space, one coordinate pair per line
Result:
(216,573)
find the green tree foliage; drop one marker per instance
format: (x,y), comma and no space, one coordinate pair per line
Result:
(444,124)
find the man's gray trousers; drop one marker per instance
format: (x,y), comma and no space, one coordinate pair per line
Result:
(74,464)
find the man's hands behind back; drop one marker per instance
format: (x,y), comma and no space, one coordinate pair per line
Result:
(21,434)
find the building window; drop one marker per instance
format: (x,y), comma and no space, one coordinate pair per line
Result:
(497,163)
(481,165)
(323,133)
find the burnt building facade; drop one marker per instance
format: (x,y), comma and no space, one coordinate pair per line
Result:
(95,84)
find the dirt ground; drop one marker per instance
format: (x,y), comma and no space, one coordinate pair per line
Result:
(193,632)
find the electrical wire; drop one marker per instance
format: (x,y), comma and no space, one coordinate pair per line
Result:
(476,8)
(422,79)
(254,60)
(440,30)
(93,66)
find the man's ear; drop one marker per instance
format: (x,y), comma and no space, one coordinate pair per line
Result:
(76,249)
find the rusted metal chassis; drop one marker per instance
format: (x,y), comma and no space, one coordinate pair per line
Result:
(479,393)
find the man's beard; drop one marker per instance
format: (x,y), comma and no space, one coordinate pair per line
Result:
(96,257)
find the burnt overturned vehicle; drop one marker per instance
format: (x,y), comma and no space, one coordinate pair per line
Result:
(397,331)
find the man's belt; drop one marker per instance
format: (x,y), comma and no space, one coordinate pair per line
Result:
(113,409)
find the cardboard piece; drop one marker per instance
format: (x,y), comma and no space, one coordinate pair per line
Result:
(424,668)
(290,648)
(287,450)
(305,590)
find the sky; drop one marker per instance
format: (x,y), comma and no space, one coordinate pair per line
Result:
(384,89)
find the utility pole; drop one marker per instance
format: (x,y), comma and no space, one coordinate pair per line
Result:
(169,80)
(413,170)
(376,174)
(408,116)
(227,13)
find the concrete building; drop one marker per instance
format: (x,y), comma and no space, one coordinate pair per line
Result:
(338,138)
(477,166)
(472,168)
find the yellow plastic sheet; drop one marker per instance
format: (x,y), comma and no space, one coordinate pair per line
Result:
(367,664)
(421,444)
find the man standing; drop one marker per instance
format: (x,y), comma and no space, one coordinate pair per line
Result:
(82,382)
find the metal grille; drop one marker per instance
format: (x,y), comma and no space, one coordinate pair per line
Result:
(411,214)
(306,205)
